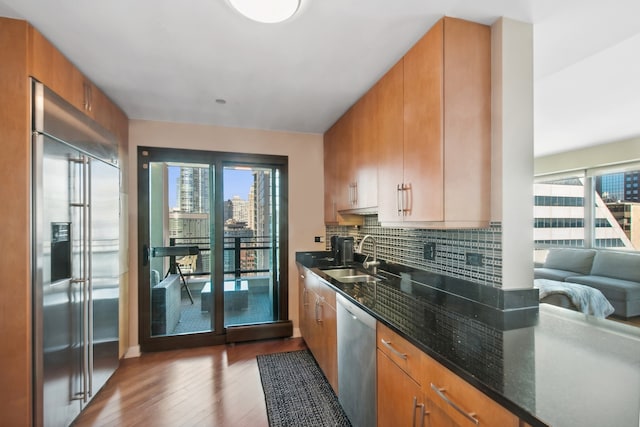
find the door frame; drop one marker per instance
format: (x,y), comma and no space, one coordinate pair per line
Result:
(145,155)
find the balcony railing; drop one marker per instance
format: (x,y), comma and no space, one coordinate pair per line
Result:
(242,255)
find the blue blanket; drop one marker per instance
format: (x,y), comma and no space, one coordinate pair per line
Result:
(587,299)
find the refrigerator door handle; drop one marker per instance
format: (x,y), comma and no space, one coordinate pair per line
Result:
(89,274)
(86,274)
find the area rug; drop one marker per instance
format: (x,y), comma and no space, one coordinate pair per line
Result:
(297,393)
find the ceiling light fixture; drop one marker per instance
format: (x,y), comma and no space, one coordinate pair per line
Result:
(267,11)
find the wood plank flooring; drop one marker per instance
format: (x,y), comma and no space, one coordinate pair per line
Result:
(207,386)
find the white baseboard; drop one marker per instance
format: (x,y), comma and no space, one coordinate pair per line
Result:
(132,352)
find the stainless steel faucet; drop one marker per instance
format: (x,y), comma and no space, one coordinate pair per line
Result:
(374,262)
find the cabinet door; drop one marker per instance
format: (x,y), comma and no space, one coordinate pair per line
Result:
(55,71)
(303,304)
(389,127)
(399,396)
(343,157)
(423,121)
(326,324)
(467,120)
(462,402)
(330,177)
(336,168)
(325,328)
(365,152)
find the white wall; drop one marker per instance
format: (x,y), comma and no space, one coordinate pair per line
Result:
(590,157)
(306,187)
(512,147)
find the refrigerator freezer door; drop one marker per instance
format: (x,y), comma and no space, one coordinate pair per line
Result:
(58,312)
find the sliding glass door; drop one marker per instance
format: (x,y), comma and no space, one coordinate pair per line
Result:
(250,244)
(211,233)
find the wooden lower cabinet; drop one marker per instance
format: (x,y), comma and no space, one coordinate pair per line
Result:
(318,323)
(415,390)
(400,400)
(462,402)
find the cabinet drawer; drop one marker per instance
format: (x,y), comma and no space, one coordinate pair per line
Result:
(402,352)
(462,402)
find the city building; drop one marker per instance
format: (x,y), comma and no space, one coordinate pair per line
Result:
(560,220)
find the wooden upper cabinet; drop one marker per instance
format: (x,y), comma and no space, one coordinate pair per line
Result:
(338,157)
(389,129)
(467,123)
(55,71)
(330,177)
(364,191)
(49,66)
(446,150)
(423,173)
(343,156)
(417,145)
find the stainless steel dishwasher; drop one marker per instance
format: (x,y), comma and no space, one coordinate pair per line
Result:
(356,363)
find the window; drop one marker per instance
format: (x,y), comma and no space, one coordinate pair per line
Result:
(559,212)
(616,197)
(599,208)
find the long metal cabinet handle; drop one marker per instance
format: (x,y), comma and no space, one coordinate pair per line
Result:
(407,200)
(319,302)
(79,200)
(417,405)
(471,416)
(355,193)
(413,409)
(304,297)
(390,347)
(399,199)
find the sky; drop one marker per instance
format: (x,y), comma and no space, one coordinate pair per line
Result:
(236,183)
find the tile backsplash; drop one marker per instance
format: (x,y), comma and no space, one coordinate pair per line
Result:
(406,247)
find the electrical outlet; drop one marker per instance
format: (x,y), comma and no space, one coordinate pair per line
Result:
(317,239)
(430,251)
(474,259)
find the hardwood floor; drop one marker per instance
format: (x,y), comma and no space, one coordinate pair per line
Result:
(207,386)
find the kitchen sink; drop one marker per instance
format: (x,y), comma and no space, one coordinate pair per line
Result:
(350,275)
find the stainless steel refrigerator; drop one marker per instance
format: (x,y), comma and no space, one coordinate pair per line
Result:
(75,258)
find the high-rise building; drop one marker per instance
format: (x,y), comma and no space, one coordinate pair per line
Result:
(189,223)
(559,217)
(619,187)
(193,190)
(237,210)
(261,197)
(628,217)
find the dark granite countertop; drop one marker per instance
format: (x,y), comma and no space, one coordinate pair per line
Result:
(548,365)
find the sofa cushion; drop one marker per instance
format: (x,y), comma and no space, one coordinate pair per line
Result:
(576,260)
(552,274)
(620,265)
(613,289)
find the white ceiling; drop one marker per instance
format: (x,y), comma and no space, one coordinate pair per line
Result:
(169,60)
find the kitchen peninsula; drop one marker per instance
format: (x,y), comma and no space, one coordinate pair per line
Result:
(545,365)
